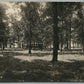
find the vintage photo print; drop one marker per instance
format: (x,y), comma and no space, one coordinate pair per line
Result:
(41,41)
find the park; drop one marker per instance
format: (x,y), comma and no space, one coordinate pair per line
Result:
(41,42)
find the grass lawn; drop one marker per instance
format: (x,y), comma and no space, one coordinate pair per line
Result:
(13,69)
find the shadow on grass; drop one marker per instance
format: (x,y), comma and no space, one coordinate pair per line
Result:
(13,70)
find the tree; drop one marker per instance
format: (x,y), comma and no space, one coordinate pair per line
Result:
(68,9)
(31,13)
(15,24)
(3,29)
(79,27)
(55,31)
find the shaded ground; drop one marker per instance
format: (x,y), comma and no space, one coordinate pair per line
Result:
(14,69)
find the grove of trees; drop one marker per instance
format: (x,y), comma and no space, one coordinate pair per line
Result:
(42,23)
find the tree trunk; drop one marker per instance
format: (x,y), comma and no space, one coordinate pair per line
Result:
(82,40)
(55,31)
(30,46)
(6,44)
(10,43)
(18,41)
(27,44)
(50,46)
(73,45)
(70,33)
(3,46)
(83,48)
(61,42)
(13,43)
(62,34)
(67,44)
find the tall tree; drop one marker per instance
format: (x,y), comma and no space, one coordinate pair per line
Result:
(3,29)
(79,27)
(31,14)
(55,31)
(68,9)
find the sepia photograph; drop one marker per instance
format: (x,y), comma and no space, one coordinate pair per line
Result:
(41,41)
